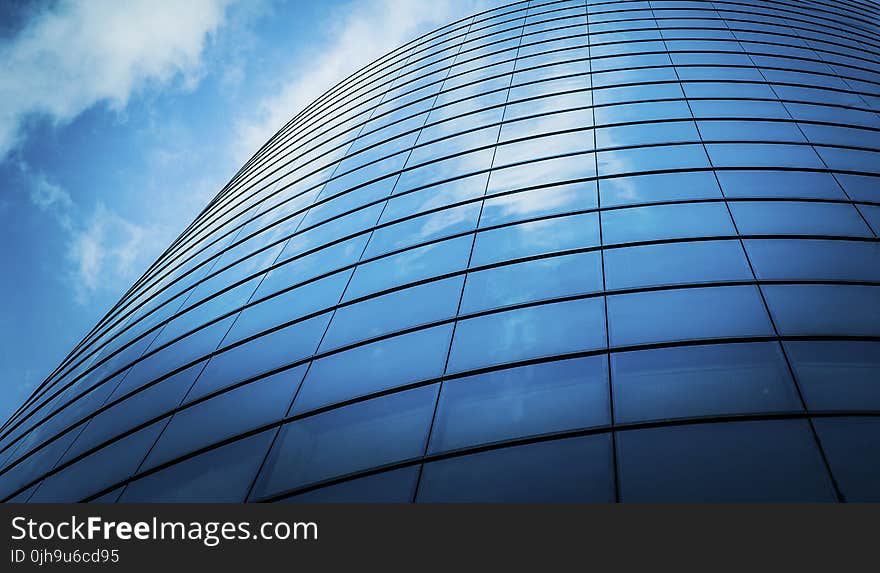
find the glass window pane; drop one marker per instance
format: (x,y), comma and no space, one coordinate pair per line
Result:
(395,486)
(222,475)
(532,332)
(658,187)
(695,381)
(570,470)
(274,350)
(791,184)
(546,278)
(852,446)
(138,408)
(809,259)
(794,218)
(397,310)
(99,470)
(675,263)
(535,238)
(381,365)
(540,202)
(519,402)
(849,310)
(293,304)
(423,228)
(666,222)
(771,460)
(357,437)
(409,266)
(542,173)
(837,375)
(260,402)
(686,314)
(654,158)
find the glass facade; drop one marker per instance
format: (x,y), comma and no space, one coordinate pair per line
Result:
(555,251)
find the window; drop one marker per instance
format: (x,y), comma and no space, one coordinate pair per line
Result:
(540,279)
(675,263)
(395,486)
(763,155)
(409,266)
(531,332)
(354,438)
(544,146)
(99,470)
(139,408)
(263,401)
(536,238)
(222,475)
(825,309)
(448,193)
(694,381)
(773,460)
(381,365)
(837,375)
(414,306)
(571,470)
(852,446)
(421,229)
(656,188)
(666,222)
(522,402)
(808,259)
(559,199)
(293,304)
(261,355)
(794,218)
(686,314)
(542,173)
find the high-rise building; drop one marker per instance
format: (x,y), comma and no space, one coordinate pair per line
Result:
(555,251)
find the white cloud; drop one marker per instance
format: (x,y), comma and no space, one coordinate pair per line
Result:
(82,52)
(107,249)
(357,33)
(51,198)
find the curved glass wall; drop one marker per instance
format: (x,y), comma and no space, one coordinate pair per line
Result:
(556,251)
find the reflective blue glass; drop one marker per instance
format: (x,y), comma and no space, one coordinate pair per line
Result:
(806,259)
(546,278)
(576,469)
(824,309)
(701,381)
(220,475)
(527,333)
(409,266)
(493,235)
(394,486)
(675,263)
(686,314)
(261,355)
(521,402)
(666,222)
(263,401)
(837,375)
(773,460)
(536,238)
(99,470)
(390,362)
(852,446)
(794,218)
(358,437)
(655,188)
(394,311)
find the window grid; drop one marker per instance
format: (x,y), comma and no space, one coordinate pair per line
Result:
(132,326)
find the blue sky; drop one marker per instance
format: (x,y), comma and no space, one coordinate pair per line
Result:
(120,120)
